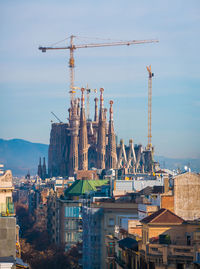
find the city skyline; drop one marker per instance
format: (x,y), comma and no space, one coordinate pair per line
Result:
(34,84)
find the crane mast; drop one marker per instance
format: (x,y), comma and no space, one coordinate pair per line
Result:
(72,47)
(149,145)
(71,68)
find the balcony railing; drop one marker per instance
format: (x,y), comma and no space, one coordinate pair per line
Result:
(7,209)
(173,250)
(119,261)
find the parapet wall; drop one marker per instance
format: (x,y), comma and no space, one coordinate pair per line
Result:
(187,196)
(7,236)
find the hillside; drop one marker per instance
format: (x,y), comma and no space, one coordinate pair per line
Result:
(173,164)
(20,155)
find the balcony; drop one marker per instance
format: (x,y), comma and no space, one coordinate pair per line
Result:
(170,251)
(120,261)
(7,210)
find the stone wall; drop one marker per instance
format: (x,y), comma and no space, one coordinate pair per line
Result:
(58,157)
(7,236)
(187,196)
(167,201)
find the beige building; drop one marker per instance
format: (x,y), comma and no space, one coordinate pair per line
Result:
(182,196)
(7,222)
(6,188)
(187,196)
(169,242)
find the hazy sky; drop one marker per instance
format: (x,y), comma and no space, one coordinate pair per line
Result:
(32,84)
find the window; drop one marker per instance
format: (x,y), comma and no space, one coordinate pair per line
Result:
(179,266)
(111,222)
(68,237)
(72,211)
(8,200)
(71,224)
(147,236)
(188,240)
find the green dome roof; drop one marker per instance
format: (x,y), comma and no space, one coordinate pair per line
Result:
(80,187)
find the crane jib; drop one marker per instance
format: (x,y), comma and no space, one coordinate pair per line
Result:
(72,47)
(128,43)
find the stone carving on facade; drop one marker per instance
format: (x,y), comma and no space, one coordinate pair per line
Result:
(83,144)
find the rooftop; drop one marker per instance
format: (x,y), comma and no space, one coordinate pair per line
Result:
(80,187)
(128,242)
(163,216)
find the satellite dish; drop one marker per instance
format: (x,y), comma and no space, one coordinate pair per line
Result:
(186,168)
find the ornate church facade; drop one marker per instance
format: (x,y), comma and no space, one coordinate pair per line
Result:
(82,144)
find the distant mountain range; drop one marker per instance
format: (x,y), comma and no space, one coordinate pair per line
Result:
(173,164)
(22,156)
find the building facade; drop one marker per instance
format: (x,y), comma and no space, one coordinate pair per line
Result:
(81,144)
(6,189)
(182,196)
(100,220)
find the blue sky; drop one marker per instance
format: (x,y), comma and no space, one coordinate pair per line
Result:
(32,84)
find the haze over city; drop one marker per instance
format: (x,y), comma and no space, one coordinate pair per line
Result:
(34,84)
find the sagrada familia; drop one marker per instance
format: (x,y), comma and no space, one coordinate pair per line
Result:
(83,144)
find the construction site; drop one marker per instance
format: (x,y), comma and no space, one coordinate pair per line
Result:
(84,144)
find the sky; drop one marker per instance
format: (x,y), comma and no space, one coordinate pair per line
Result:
(32,83)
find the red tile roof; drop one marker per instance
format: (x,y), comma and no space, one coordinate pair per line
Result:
(163,216)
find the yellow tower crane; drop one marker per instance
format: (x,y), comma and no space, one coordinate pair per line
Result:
(149,145)
(73,47)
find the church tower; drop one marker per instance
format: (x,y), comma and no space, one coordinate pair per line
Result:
(96,110)
(40,169)
(44,170)
(83,139)
(101,140)
(111,152)
(74,125)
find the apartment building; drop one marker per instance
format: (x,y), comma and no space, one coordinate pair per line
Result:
(99,220)
(168,241)
(182,195)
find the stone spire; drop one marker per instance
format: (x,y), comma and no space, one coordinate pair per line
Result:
(78,108)
(44,170)
(74,125)
(111,152)
(131,162)
(70,113)
(138,158)
(122,159)
(96,110)
(83,139)
(90,131)
(105,114)
(40,168)
(101,140)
